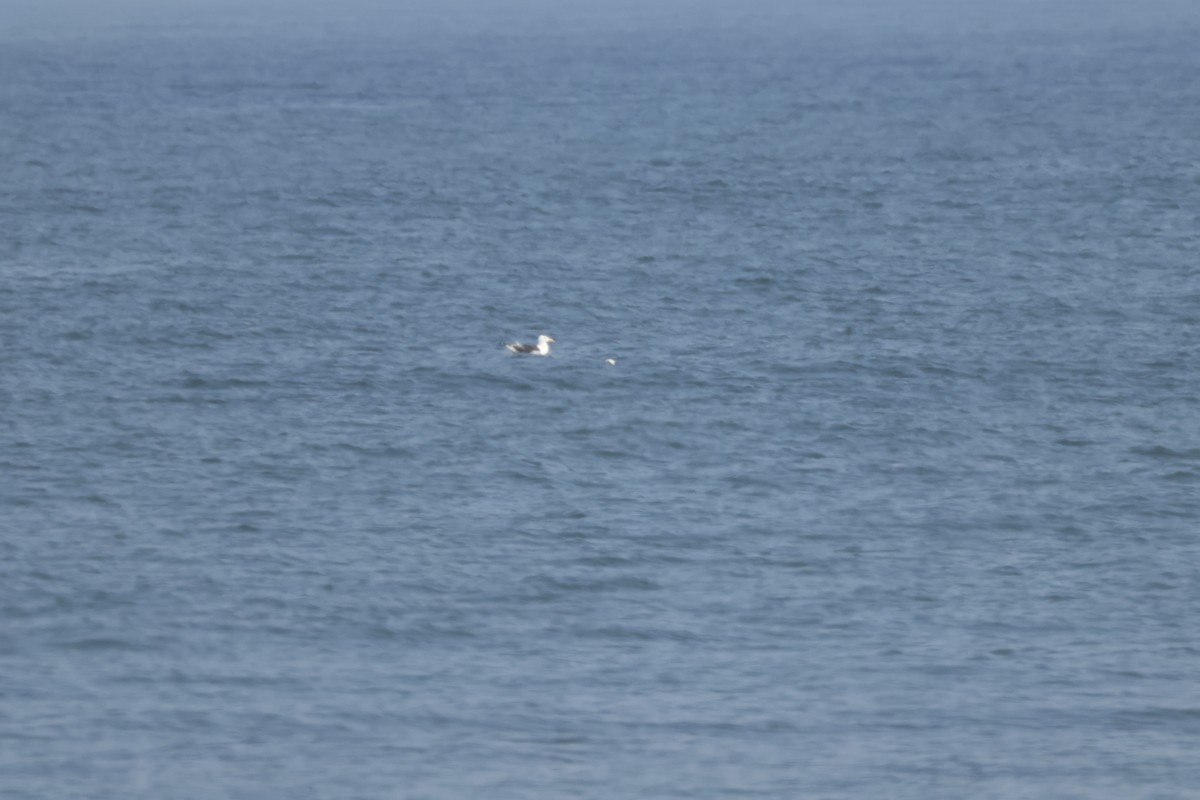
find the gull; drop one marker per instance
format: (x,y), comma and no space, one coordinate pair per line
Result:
(542,348)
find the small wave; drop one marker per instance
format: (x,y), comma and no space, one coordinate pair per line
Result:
(380,451)
(565,585)
(98,643)
(1188,718)
(419,632)
(511,383)
(1159,451)
(604,561)
(197,382)
(761,281)
(640,634)
(186,399)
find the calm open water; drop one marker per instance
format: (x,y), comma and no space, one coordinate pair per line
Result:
(893,491)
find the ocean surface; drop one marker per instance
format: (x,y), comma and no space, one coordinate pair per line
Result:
(892,492)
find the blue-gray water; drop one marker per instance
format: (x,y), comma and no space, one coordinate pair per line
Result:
(893,491)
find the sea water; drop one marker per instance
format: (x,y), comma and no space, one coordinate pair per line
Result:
(893,489)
